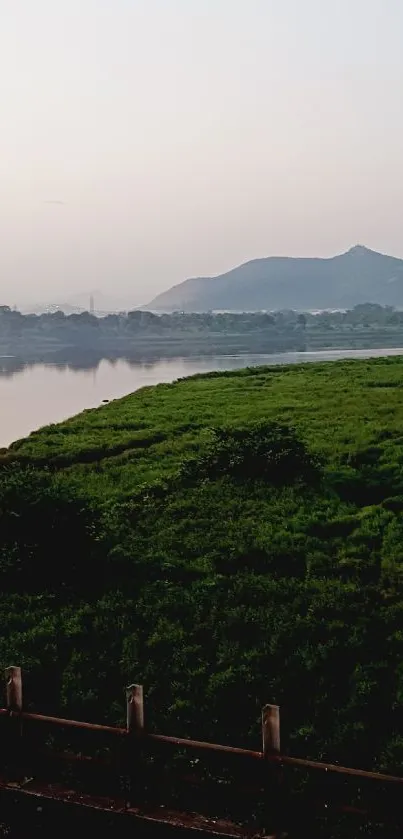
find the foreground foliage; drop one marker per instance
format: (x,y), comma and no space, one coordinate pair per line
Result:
(227,540)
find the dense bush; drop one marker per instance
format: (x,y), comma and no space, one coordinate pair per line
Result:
(49,536)
(261,451)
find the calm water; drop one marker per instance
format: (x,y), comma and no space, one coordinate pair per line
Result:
(38,394)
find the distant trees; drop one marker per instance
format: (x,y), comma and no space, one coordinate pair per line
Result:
(145,322)
(244,331)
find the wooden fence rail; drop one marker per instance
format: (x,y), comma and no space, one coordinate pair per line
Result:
(273,802)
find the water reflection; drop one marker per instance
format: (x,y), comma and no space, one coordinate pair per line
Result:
(11,365)
(90,362)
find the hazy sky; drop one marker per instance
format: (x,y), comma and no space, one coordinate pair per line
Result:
(187,136)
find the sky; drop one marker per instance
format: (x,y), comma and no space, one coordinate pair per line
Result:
(184,137)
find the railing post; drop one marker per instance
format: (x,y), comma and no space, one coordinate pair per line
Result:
(14,689)
(13,751)
(273,774)
(271,730)
(135,709)
(135,727)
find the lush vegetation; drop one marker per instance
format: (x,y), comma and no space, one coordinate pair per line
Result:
(151,335)
(227,540)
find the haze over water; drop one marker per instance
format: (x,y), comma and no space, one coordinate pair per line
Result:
(33,395)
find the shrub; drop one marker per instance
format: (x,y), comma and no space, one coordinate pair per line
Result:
(262,451)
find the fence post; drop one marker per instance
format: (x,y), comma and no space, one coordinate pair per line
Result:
(274,811)
(12,736)
(135,728)
(14,689)
(271,730)
(135,709)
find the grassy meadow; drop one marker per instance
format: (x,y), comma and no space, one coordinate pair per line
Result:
(228,538)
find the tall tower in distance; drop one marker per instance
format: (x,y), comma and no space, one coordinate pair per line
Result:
(92,304)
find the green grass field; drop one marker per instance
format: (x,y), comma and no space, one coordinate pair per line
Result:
(209,586)
(341,409)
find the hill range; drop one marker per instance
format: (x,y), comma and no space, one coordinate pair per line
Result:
(358,276)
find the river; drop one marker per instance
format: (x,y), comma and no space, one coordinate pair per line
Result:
(33,395)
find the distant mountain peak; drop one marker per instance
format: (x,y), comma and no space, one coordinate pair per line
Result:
(359,249)
(360,275)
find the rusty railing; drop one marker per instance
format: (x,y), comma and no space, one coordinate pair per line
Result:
(173,782)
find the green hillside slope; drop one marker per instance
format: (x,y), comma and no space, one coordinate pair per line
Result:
(232,538)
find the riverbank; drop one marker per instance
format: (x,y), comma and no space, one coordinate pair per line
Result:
(38,393)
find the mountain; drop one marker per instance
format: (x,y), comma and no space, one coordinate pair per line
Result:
(358,276)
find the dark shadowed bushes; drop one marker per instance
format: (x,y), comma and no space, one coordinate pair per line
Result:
(50,536)
(260,451)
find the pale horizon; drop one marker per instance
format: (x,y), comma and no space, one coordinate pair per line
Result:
(144,142)
(108,296)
